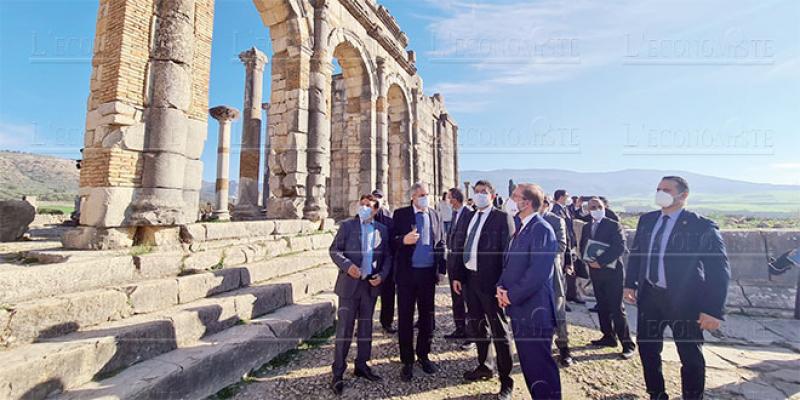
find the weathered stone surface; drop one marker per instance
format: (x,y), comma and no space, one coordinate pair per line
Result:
(173,88)
(158,265)
(281,266)
(321,241)
(91,238)
(105,206)
(57,316)
(300,243)
(149,296)
(159,236)
(172,137)
(193,287)
(70,277)
(163,170)
(200,371)
(16,215)
(288,226)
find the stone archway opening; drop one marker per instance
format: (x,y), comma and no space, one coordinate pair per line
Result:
(399,147)
(349,108)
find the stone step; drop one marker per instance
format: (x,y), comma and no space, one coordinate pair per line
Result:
(38,369)
(60,315)
(74,271)
(207,366)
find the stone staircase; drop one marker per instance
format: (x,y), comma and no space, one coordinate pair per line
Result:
(178,320)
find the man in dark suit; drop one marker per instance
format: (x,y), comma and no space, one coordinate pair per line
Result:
(419,245)
(607,274)
(479,246)
(559,290)
(361,251)
(678,272)
(388,287)
(561,207)
(461,215)
(525,289)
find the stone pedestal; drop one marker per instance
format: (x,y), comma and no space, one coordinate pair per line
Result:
(250,159)
(225,115)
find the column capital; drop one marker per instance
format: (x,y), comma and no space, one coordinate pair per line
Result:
(253,58)
(224,113)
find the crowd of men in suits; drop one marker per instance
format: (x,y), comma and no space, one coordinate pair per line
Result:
(513,267)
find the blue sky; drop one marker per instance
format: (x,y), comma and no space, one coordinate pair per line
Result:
(712,87)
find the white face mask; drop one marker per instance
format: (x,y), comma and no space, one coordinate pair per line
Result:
(422,202)
(597,215)
(512,207)
(482,200)
(664,199)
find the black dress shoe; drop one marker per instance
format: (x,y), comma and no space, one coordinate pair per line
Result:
(428,367)
(565,358)
(482,373)
(389,329)
(407,373)
(567,308)
(367,374)
(457,334)
(505,392)
(604,342)
(594,309)
(337,385)
(628,352)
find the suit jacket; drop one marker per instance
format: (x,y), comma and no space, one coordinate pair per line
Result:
(612,233)
(404,218)
(559,226)
(564,213)
(528,274)
(492,246)
(345,251)
(695,265)
(461,224)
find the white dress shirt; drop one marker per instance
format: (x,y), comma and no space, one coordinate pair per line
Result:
(472,264)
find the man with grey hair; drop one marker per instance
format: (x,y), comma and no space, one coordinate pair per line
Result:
(418,241)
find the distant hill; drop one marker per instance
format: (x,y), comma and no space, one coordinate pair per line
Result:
(48,178)
(632,190)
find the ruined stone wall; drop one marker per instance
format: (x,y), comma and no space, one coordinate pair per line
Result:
(120,88)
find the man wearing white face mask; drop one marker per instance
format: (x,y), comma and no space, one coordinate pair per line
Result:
(678,273)
(478,246)
(418,238)
(361,251)
(606,272)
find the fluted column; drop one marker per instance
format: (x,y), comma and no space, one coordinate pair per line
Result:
(415,136)
(225,116)
(265,189)
(382,127)
(319,124)
(250,157)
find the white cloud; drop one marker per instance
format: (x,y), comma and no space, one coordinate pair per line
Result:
(525,43)
(14,135)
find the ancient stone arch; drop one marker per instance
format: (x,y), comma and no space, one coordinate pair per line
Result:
(148,108)
(400,155)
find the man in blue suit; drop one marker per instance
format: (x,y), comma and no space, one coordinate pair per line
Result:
(678,270)
(525,289)
(361,251)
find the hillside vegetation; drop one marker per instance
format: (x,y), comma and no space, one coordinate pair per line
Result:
(48,178)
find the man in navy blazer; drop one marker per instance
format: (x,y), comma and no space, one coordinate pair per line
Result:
(678,270)
(361,251)
(419,246)
(525,289)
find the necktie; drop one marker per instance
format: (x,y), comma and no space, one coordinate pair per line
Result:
(655,251)
(517,225)
(471,238)
(594,228)
(367,248)
(453,220)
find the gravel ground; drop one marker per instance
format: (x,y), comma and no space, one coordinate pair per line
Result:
(598,373)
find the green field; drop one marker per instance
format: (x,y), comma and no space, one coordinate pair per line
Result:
(782,205)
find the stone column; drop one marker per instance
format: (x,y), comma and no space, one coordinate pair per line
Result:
(250,157)
(382,130)
(160,201)
(455,155)
(265,185)
(319,124)
(466,190)
(225,115)
(415,136)
(441,128)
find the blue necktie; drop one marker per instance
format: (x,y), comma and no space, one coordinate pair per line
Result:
(655,252)
(471,238)
(366,246)
(517,225)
